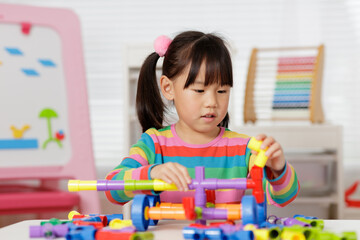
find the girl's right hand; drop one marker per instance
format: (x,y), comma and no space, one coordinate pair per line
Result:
(172,173)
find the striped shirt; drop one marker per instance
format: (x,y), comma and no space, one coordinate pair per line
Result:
(225,157)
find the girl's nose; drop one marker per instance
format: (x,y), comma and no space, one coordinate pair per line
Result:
(211,100)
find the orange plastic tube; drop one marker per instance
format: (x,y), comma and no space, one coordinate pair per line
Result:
(233,210)
(157,213)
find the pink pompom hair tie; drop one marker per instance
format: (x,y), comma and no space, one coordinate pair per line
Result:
(161,45)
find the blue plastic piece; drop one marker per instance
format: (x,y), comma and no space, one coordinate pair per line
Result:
(153,200)
(194,233)
(243,235)
(81,233)
(303,216)
(111,217)
(90,219)
(261,210)
(248,209)
(270,225)
(139,204)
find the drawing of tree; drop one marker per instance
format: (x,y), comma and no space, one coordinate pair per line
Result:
(48,114)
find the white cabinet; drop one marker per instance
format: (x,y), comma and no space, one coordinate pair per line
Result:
(315,151)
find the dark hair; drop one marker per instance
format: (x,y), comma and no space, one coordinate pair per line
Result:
(187,47)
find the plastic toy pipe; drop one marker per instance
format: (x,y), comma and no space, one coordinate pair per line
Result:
(292,235)
(159,185)
(261,158)
(49,231)
(319,223)
(308,232)
(176,211)
(54,221)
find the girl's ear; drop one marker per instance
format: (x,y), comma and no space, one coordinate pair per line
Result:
(167,87)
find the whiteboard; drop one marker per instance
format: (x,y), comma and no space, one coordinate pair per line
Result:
(32,82)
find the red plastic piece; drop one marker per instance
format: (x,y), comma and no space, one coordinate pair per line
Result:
(25,27)
(103,218)
(189,208)
(97,225)
(111,235)
(217,224)
(210,196)
(198,225)
(256,173)
(79,216)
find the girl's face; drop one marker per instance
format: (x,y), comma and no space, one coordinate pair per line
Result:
(200,108)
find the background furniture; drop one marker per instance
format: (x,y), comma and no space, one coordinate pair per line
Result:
(31,175)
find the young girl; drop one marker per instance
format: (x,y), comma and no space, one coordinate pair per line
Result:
(197,78)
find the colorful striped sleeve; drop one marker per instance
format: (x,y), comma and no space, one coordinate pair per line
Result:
(282,190)
(136,166)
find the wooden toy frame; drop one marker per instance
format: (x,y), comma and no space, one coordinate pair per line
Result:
(315,106)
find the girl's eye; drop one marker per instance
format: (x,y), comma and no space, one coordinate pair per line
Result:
(222,91)
(199,90)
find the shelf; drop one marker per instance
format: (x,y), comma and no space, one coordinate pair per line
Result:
(332,199)
(351,213)
(303,157)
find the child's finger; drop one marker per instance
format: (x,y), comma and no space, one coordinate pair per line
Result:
(277,153)
(185,173)
(178,173)
(177,182)
(182,174)
(173,175)
(260,137)
(267,142)
(273,148)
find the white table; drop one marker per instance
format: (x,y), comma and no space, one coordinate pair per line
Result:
(169,229)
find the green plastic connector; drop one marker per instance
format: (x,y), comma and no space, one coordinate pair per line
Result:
(142,236)
(133,185)
(318,223)
(310,233)
(198,212)
(274,233)
(325,235)
(55,221)
(348,236)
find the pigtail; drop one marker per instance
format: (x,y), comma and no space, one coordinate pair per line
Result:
(149,105)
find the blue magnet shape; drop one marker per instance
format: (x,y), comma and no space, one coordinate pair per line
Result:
(18,144)
(30,72)
(47,63)
(13,51)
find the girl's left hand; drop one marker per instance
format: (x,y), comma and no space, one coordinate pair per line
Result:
(275,153)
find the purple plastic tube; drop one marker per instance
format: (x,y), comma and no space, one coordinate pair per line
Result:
(48,230)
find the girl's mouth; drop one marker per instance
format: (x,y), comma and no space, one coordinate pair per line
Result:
(208,117)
